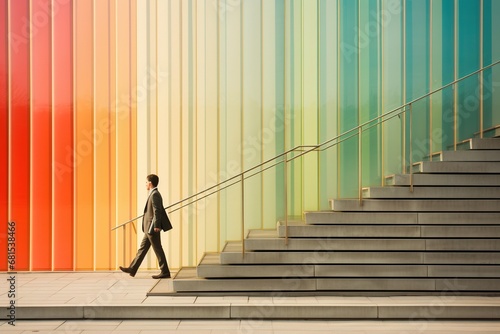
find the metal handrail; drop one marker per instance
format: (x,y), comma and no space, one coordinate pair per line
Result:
(306,149)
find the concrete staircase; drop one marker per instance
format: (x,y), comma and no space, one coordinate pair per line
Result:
(444,237)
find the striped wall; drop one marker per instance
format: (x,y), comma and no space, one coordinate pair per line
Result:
(96,94)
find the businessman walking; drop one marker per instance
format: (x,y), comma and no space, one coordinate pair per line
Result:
(154,220)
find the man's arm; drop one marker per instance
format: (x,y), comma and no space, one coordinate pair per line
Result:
(157,210)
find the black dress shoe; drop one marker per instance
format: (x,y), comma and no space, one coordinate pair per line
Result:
(128,271)
(161,275)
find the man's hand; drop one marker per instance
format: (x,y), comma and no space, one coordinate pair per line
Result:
(157,229)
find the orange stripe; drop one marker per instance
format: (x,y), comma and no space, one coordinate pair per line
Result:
(103,100)
(84,127)
(41,137)
(63,138)
(123,125)
(133,122)
(4,133)
(20,130)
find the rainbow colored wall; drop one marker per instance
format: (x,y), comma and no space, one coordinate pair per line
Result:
(96,94)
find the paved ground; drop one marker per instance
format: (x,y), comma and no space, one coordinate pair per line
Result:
(247,327)
(43,290)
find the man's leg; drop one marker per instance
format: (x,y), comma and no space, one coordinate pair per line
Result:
(141,253)
(160,254)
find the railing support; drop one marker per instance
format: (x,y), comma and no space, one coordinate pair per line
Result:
(360,164)
(286,200)
(411,148)
(243,214)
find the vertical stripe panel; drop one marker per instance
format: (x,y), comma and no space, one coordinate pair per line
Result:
(200,120)
(84,133)
(468,40)
(391,16)
(369,97)
(310,75)
(41,133)
(20,129)
(328,100)
(494,79)
(256,134)
(349,90)
(277,114)
(188,133)
(417,73)
(143,151)
(103,115)
(4,133)
(62,136)
(133,118)
(122,110)
(163,103)
(448,71)
(231,116)
(293,50)
(272,107)
(211,124)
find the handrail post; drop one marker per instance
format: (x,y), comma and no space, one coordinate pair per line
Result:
(481,106)
(243,214)
(411,148)
(124,240)
(403,133)
(286,200)
(360,164)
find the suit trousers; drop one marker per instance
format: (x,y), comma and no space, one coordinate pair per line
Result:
(147,241)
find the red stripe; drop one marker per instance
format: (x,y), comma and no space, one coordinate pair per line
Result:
(63,137)
(4,132)
(20,130)
(41,132)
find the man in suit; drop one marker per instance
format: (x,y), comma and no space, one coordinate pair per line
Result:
(154,220)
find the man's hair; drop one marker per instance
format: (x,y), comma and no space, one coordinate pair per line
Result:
(154,179)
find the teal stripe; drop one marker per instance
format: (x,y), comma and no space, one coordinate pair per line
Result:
(448,72)
(349,58)
(468,61)
(487,60)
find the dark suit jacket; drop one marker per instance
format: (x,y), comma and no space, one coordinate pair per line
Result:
(155,215)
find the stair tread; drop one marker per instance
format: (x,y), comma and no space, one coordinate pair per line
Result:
(426,192)
(417,205)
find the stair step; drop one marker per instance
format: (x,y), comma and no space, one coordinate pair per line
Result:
(492,180)
(389,231)
(484,144)
(186,280)
(333,217)
(210,267)
(216,270)
(471,271)
(473,167)
(349,231)
(399,270)
(318,244)
(431,192)
(403,218)
(458,218)
(401,284)
(394,205)
(360,257)
(470,155)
